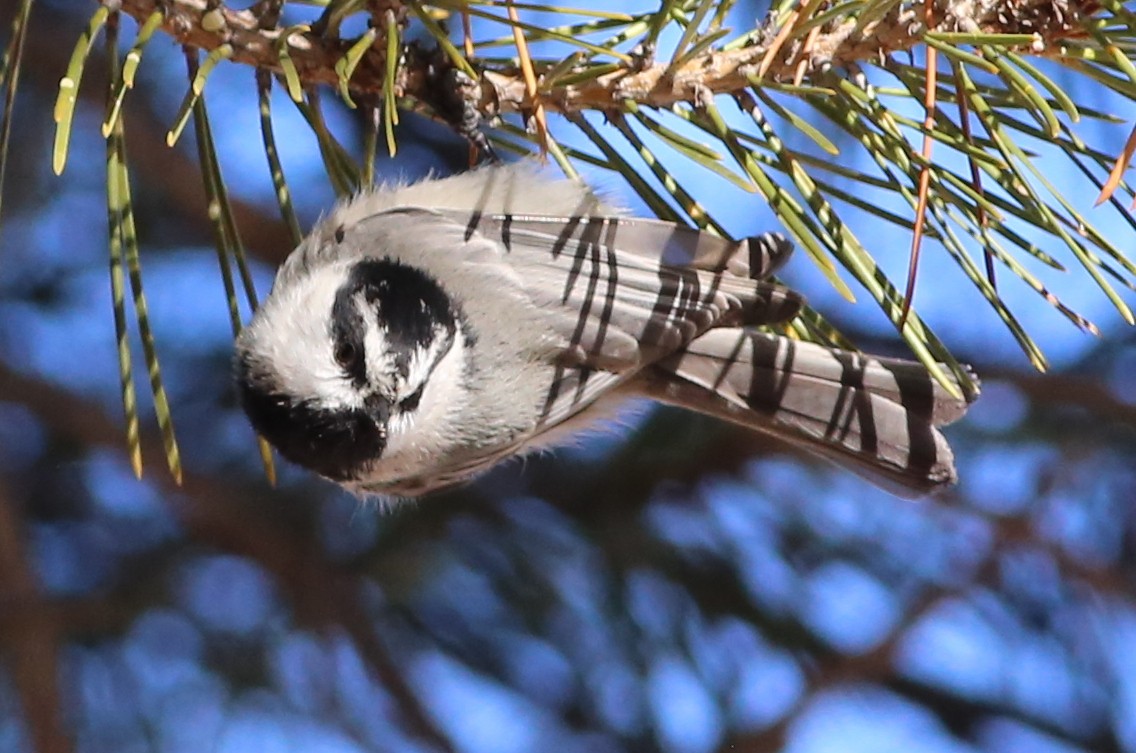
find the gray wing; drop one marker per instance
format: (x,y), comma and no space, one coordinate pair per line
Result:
(876,416)
(757,257)
(616,300)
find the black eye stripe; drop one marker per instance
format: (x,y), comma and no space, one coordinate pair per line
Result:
(408,304)
(347,332)
(417,319)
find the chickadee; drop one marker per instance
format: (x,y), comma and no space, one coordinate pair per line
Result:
(422,333)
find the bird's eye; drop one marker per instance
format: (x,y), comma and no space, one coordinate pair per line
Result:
(345,355)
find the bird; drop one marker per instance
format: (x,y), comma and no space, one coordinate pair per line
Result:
(423,332)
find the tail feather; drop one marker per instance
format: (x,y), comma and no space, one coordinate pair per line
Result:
(876,416)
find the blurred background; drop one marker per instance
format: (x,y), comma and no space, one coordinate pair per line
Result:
(665,584)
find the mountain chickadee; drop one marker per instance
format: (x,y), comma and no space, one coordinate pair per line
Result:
(422,333)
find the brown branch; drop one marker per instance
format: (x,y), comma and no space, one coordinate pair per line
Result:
(30,634)
(503,89)
(1083,392)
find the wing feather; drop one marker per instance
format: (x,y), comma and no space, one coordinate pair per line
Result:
(661,243)
(609,278)
(877,416)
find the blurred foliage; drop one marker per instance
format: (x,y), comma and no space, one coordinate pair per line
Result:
(683,590)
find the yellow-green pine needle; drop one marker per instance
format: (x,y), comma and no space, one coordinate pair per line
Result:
(696,153)
(554,148)
(1073,148)
(226,240)
(196,87)
(1074,221)
(182,117)
(959,54)
(291,75)
(559,10)
(820,329)
(978,39)
(141,311)
(549,78)
(628,172)
(628,31)
(539,32)
(991,242)
(390,106)
(1009,149)
(1120,58)
(589,74)
(689,32)
(847,248)
(956,249)
(341,171)
(1100,75)
(115,215)
(560,156)
(346,65)
(802,90)
(69,88)
(371,145)
(222,52)
(334,13)
(118,298)
(790,212)
(10,75)
(798,122)
(130,68)
(671,136)
(118,175)
(279,182)
(1064,101)
(697,48)
(221,242)
(694,210)
(223,209)
(134,57)
(660,19)
(1027,94)
(811,20)
(720,12)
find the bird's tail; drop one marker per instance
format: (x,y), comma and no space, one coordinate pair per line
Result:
(876,416)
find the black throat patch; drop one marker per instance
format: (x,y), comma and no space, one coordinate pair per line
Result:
(336,444)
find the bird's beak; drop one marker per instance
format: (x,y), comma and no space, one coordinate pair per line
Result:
(379,409)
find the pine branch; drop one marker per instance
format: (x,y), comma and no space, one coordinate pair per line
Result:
(764,58)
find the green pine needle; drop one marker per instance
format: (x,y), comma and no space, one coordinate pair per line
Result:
(69,88)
